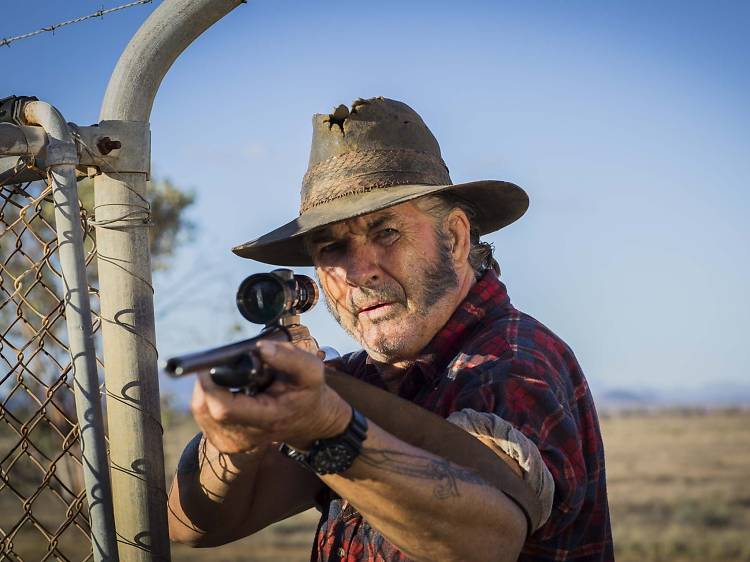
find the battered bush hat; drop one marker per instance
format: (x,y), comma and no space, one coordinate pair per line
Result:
(376,155)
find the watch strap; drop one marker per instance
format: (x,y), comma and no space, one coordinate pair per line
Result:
(336,454)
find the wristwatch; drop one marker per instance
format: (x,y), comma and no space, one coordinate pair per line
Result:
(335,454)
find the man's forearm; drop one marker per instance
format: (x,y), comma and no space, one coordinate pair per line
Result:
(211,493)
(429,507)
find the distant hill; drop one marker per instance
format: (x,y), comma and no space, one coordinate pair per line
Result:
(719,395)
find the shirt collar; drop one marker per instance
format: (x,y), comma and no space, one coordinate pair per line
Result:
(487,297)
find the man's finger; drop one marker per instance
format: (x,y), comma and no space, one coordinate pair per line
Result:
(223,406)
(302,367)
(210,388)
(198,400)
(206,383)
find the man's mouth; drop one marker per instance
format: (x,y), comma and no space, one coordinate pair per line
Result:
(374,307)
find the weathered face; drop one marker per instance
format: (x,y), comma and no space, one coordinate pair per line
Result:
(387,278)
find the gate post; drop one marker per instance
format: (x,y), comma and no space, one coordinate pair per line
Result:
(127,312)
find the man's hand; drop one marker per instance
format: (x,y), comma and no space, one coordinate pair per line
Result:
(297,408)
(302,339)
(232,483)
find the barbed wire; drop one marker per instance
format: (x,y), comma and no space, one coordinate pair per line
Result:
(98,14)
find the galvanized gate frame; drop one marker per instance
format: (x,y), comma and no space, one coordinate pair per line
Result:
(118,151)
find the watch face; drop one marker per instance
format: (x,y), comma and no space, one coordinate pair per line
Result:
(333,458)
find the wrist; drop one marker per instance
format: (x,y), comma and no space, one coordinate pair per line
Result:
(229,462)
(335,415)
(336,454)
(340,414)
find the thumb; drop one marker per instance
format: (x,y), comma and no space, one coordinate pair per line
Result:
(301,367)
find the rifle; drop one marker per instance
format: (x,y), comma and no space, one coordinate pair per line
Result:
(277,299)
(274,299)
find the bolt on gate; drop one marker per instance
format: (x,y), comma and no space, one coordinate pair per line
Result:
(59,482)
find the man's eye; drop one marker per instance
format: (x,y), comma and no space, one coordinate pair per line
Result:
(330,248)
(387,235)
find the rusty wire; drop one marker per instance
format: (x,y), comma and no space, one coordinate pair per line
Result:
(51,28)
(43,513)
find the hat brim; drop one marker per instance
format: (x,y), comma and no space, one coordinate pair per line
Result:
(497,203)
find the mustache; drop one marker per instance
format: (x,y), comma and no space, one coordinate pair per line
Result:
(365,297)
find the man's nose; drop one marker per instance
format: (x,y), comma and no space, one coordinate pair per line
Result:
(362,268)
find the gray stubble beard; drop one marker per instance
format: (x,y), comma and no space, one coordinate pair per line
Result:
(439,278)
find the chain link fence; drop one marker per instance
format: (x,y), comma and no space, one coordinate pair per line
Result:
(43,511)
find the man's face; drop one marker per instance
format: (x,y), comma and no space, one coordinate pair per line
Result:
(387,277)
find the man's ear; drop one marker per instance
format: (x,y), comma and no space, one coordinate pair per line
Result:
(459,230)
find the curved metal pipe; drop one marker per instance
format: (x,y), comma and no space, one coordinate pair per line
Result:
(152,50)
(61,162)
(123,215)
(17,140)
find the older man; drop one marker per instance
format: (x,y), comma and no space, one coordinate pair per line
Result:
(396,247)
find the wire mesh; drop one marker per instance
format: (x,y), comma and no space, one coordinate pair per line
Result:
(43,512)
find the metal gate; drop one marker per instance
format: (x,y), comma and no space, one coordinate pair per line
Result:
(56,501)
(43,510)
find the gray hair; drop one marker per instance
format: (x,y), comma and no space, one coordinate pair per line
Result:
(439,206)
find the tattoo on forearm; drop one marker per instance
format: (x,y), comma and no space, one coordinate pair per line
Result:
(446,474)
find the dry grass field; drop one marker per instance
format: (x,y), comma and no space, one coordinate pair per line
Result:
(679,486)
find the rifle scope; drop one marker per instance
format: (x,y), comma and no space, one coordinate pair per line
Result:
(269,298)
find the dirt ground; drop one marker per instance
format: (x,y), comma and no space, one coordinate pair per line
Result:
(678,481)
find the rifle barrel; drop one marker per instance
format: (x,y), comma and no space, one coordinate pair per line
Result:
(190,363)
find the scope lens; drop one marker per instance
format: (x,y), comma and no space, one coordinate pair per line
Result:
(261,298)
(307,293)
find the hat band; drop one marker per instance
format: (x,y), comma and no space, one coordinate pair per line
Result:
(367,170)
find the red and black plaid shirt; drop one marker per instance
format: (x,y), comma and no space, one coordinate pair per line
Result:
(493,358)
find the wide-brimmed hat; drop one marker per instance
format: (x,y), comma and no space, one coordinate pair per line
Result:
(376,155)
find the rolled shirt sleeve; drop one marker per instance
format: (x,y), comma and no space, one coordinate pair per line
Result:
(501,433)
(552,410)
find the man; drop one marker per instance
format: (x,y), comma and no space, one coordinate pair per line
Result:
(396,248)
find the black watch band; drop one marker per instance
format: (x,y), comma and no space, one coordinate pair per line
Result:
(335,454)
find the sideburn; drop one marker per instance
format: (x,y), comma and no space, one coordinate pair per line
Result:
(440,276)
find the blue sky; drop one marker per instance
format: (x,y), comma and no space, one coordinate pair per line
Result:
(626,122)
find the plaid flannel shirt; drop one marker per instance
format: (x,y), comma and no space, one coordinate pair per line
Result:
(490,357)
